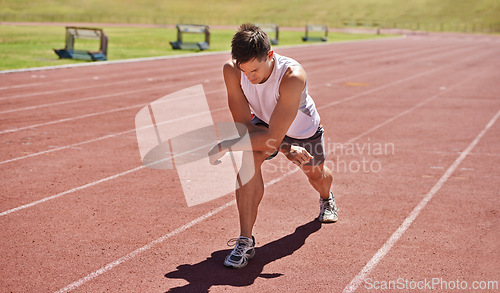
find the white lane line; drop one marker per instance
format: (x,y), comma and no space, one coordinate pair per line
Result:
(102,63)
(370,72)
(199,54)
(69,191)
(108,136)
(87,116)
(101,138)
(80,80)
(92,183)
(127,172)
(150,245)
(90,85)
(382,252)
(131,255)
(79,100)
(10,130)
(111,265)
(450,88)
(403,80)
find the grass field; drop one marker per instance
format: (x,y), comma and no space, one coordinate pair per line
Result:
(32,46)
(482,15)
(23,46)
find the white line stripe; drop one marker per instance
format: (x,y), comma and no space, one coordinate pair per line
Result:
(146,247)
(111,265)
(104,137)
(98,97)
(416,211)
(71,118)
(126,172)
(90,115)
(105,84)
(100,63)
(385,53)
(69,191)
(77,100)
(150,245)
(450,88)
(108,136)
(331,104)
(181,229)
(403,80)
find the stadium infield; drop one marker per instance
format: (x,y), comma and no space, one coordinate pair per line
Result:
(412,135)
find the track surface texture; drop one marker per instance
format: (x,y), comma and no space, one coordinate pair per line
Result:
(413,138)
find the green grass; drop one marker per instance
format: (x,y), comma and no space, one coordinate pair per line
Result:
(24,46)
(429,14)
(32,46)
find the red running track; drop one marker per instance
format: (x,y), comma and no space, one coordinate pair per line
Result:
(413,138)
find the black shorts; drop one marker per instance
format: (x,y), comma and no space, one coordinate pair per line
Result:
(314,144)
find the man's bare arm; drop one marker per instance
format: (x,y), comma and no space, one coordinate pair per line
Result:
(283,115)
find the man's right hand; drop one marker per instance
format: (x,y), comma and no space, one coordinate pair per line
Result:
(298,155)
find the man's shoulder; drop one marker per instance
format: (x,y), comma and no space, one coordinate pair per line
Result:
(294,74)
(230,65)
(231,71)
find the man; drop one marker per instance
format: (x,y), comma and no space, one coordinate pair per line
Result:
(268,94)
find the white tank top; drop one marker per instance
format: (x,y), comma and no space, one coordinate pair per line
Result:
(264,97)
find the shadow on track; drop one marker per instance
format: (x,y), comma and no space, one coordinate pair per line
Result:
(211,272)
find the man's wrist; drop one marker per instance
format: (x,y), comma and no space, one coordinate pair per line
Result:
(285,148)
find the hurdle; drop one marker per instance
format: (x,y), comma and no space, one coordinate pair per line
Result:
(270,29)
(316,28)
(361,25)
(73,33)
(191,29)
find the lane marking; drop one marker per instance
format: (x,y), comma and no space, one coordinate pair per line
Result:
(69,191)
(403,80)
(356,84)
(369,72)
(384,53)
(108,136)
(382,252)
(187,226)
(198,54)
(64,102)
(158,241)
(111,265)
(127,172)
(86,116)
(99,85)
(76,145)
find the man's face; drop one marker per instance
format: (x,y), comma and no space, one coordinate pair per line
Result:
(258,71)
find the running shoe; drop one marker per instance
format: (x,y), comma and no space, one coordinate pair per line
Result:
(244,249)
(328,210)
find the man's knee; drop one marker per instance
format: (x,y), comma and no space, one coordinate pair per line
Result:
(254,158)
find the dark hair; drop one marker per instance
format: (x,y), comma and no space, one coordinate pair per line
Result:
(249,42)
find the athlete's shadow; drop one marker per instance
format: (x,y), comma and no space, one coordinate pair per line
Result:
(211,272)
